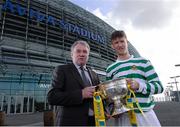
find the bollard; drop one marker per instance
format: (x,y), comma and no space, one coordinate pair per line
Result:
(2,118)
(49,117)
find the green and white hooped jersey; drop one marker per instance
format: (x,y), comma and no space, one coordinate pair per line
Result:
(143,72)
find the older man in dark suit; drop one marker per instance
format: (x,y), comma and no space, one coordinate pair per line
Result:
(72,89)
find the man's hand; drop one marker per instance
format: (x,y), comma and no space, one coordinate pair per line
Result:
(108,116)
(88,92)
(117,116)
(134,85)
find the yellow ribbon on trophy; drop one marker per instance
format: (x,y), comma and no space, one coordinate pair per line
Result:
(131,113)
(98,110)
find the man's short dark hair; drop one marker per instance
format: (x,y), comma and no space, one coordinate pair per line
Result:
(118,34)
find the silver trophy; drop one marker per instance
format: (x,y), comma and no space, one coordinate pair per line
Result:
(115,91)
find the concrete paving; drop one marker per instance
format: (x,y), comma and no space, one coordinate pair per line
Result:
(34,119)
(167,112)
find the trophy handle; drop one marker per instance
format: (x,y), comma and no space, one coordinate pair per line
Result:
(101,90)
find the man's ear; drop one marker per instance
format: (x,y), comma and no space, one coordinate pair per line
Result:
(112,46)
(71,55)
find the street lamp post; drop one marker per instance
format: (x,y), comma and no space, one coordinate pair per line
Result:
(176,86)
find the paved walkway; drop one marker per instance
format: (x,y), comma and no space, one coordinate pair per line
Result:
(34,119)
(167,112)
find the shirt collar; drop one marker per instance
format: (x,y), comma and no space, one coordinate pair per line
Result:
(78,67)
(118,60)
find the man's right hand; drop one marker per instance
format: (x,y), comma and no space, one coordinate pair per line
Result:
(88,92)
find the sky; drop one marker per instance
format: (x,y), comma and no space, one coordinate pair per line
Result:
(152,27)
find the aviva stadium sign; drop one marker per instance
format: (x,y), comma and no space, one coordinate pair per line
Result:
(42,17)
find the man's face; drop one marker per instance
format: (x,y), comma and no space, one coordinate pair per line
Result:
(120,45)
(80,54)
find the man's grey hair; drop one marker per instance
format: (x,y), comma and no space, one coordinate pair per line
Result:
(80,42)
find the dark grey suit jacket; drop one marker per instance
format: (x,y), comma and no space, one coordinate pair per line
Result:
(66,93)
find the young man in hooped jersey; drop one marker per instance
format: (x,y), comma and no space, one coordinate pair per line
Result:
(143,80)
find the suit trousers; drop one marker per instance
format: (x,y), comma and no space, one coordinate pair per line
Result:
(91,121)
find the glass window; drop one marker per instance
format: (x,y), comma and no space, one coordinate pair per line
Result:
(5,85)
(5,92)
(17,86)
(29,86)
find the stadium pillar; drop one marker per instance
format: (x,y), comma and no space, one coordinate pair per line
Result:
(49,118)
(2,118)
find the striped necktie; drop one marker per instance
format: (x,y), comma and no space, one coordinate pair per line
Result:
(84,78)
(87,83)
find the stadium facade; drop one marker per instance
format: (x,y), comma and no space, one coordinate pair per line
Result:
(35,36)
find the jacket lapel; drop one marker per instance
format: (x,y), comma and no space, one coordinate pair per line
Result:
(76,75)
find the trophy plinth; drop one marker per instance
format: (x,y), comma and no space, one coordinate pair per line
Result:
(115,90)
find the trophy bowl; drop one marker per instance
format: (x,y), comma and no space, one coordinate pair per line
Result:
(115,91)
